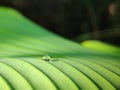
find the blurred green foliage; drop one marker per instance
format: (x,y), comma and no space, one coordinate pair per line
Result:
(70,18)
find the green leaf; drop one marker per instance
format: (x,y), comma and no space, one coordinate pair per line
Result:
(103,47)
(32,58)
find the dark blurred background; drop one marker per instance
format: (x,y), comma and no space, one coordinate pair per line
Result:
(78,20)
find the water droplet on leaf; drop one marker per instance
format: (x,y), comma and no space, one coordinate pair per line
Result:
(46,58)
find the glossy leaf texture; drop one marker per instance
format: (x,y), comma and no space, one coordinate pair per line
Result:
(68,65)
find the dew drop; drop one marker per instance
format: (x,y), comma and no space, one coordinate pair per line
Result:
(46,58)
